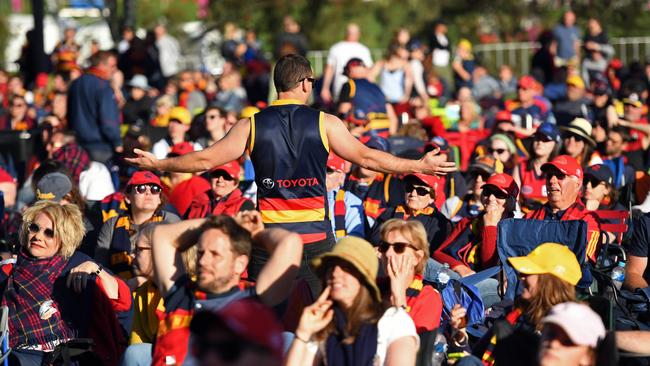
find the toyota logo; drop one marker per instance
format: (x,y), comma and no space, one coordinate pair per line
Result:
(268,183)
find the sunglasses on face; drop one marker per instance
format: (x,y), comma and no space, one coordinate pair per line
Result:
(142,188)
(34,228)
(399,248)
(487,192)
(557,174)
(593,181)
(311,80)
(419,190)
(498,151)
(484,176)
(575,137)
(221,174)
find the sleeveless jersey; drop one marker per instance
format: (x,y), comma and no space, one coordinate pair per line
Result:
(289,149)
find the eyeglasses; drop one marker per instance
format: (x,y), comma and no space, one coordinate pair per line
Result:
(420,191)
(34,228)
(221,174)
(228,350)
(489,191)
(142,188)
(311,80)
(398,247)
(498,151)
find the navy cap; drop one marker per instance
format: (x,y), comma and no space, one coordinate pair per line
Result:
(601,172)
(549,130)
(377,143)
(437,142)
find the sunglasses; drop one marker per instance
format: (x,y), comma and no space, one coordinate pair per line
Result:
(330,171)
(498,151)
(593,181)
(487,192)
(575,137)
(399,247)
(228,350)
(142,188)
(221,174)
(311,80)
(484,176)
(34,228)
(420,191)
(557,174)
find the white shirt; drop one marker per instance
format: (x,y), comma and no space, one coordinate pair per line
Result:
(169,54)
(161,148)
(95,183)
(339,55)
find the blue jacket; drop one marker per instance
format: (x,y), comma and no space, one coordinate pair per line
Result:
(93,113)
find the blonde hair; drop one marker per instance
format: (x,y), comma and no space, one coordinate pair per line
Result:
(551,291)
(412,230)
(67,221)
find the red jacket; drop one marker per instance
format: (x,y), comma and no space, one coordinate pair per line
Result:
(468,238)
(577,211)
(206,203)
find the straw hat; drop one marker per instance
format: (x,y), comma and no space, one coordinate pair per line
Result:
(582,128)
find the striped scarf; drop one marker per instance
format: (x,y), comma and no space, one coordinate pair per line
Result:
(121,245)
(34,315)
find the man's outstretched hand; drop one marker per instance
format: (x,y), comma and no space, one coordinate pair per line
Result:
(143,160)
(435,164)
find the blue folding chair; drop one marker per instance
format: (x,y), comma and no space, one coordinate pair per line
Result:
(4,335)
(518,237)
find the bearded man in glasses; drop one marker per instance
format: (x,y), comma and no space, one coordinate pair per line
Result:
(563,185)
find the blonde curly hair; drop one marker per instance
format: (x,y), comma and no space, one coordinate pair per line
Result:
(68,224)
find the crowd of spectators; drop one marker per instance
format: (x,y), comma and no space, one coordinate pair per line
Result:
(111,264)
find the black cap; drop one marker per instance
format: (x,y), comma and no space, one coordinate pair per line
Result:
(601,172)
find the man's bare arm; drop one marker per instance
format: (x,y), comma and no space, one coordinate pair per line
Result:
(635,341)
(229,148)
(634,270)
(350,149)
(279,272)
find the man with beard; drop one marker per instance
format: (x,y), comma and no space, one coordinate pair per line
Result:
(563,185)
(223,251)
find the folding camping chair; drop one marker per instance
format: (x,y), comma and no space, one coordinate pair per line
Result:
(4,335)
(612,252)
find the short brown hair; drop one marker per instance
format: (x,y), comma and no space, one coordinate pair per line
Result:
(240,238)
(415,232)
(289,71)
(67,221)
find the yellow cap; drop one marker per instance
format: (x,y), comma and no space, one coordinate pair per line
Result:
(248,112)
(360,254)
(180,114)
(465,44)
(576,81)
(551,258)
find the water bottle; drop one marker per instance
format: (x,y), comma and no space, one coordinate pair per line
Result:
(618,275)
(444,275)
(439,354)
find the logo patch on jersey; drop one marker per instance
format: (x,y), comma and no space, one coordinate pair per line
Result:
(268,183)
(301,182)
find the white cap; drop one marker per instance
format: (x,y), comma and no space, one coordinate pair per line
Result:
(581,324)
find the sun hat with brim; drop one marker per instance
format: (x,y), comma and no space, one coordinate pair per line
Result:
(360,254)
(551,258)
(139,81)
(582,128)
(583,325)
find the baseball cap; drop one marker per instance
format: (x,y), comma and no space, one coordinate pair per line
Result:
(353,62)
(552,258)
(429,180)
(526,82)
(576,81)
(437,142)
(600,88)
(583,325)
(247,319)
(633,100)
(503,116)
(180,114)
(180,149)
(376,142)
(487,164)
(601,172)
(335,162)
(504,183)
(53,186)
(549,130)
(565,164)
(232,168)
(143,177)
(360,254)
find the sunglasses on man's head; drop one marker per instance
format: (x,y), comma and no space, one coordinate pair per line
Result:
(498,151)
(142,188)
(34,228)
(399,247)
(419,190)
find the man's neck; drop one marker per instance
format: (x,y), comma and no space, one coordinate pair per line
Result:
(293,95)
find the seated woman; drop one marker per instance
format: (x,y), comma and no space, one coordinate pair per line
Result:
(55,295)
(599,191)
(419,195)
(403,254)
(548,276)
(118,234)
(472,245)
(348,324)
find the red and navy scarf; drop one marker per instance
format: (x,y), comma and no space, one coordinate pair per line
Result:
(34,315)
(121,246)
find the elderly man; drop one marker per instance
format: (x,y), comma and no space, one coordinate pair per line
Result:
(224,196)
(345,209)
(563,184)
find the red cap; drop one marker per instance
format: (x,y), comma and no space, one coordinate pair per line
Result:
(248,319)
(565,164)
(504,183)
(181,148)
(430,180)
(233,169)
(527,82)
(503,116)
(143,177)
(41,80)
(335,162)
